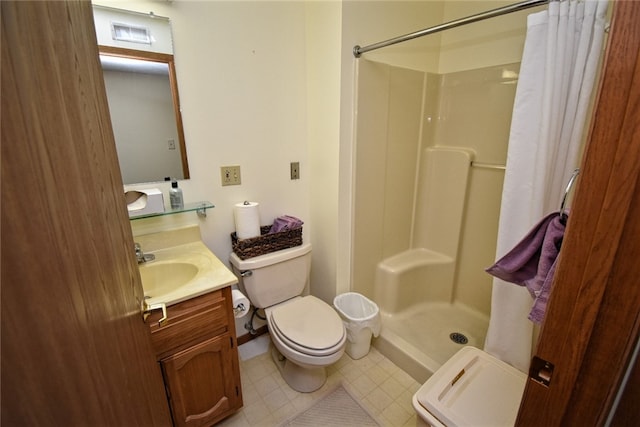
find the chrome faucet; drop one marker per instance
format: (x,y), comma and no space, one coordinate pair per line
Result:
(141,256)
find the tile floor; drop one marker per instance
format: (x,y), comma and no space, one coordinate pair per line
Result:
(383,388)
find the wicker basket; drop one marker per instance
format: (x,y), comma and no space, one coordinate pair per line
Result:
(266,243)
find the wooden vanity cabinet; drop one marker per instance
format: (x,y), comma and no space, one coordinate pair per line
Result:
(197,351)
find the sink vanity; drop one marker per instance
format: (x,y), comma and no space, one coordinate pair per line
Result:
(195,344)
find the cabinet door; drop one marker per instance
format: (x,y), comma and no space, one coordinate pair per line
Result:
(203,382)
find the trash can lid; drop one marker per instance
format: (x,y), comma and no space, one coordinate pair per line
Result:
(455,393)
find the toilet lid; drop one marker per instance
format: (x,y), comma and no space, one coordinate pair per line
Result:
(308,323)
(473,388)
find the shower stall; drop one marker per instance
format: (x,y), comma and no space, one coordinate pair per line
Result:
(430,154)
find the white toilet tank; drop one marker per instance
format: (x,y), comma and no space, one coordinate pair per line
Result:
(274,277)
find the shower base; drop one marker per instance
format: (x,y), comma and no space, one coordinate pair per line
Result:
(419,339)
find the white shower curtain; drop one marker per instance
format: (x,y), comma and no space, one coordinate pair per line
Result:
(557,75)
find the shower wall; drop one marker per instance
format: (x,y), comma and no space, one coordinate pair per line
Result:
(399,113)
(388,127)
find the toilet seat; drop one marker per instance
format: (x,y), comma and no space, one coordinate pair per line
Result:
(307,325)
(456,394)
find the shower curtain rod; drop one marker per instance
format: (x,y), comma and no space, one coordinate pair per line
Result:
(357,50)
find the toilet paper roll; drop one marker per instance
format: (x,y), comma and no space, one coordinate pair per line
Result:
(247,218)
(240,303)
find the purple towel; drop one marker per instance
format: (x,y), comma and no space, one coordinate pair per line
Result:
(285,223)
(532,262)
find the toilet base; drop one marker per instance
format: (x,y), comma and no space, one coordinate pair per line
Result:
(303,380)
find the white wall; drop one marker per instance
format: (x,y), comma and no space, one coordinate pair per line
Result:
(259,87)
(482,44)
(323,35)
(158,27)
(242,80)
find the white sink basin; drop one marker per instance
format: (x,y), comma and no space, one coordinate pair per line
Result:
(162,278)
(183,267)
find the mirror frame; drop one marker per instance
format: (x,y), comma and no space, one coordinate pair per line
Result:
(165,59)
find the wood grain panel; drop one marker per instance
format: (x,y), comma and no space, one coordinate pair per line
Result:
(593,313)
(74,348)
(196,404)
(627,412)
(611,344)
(197,349)
(190,322)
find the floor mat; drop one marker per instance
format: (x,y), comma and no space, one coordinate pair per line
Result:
(338,408)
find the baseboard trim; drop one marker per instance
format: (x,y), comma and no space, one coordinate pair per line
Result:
(248,337)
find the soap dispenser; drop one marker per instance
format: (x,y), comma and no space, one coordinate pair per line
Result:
(175,196)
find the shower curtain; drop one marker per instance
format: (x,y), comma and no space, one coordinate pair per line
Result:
(557,75)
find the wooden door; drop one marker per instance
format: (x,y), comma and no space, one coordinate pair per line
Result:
(593,318)
(201,382)
(75,350)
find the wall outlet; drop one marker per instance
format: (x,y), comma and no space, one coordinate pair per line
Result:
(230,175)
(295,170)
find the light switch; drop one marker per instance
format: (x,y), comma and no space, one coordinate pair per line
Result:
(230,175)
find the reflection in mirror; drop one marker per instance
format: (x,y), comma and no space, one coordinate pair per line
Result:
(145,114)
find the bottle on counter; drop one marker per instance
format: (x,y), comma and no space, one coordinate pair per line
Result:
(175,196)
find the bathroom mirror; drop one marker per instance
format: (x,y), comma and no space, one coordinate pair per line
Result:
(145,114)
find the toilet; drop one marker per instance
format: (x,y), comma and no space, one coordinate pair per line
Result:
(473,388)
(307,333)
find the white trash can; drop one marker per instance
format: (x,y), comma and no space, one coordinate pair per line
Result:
(361,318)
